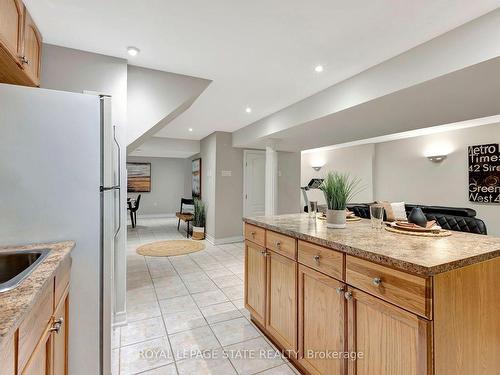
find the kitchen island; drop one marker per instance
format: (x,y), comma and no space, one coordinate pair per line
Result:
(366,301)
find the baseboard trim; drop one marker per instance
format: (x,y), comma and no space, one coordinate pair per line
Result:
(155,216)
(120,319)
(222,241)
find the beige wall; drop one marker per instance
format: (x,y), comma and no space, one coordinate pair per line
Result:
(289,183)
(401,172)
(168,176)
(357,161)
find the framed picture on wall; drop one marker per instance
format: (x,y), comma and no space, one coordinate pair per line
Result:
(139,177)
(196,171)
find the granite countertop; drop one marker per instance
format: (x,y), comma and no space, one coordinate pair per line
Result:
(16,303)
(418,255)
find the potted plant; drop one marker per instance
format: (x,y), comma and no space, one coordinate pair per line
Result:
(338,189)
(199,220)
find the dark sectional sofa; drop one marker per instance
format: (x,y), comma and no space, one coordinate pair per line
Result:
(451,218)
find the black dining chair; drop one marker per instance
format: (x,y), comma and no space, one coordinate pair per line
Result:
(133,207)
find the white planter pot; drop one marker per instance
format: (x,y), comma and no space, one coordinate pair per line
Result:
(198,233)
(335,219)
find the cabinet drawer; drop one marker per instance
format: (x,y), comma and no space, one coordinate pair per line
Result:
(62,280)
(408,291)
(325,260)
(255,234)
(35,323)
(281,244)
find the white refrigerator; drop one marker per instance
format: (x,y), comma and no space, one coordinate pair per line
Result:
(59,180)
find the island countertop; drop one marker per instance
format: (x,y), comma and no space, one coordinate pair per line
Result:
(16,303)
(422,256)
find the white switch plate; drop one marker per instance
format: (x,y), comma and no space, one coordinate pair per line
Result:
(227,173)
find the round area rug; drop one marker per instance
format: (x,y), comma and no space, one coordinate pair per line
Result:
(170,248)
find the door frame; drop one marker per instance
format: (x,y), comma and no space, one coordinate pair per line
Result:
(245,155)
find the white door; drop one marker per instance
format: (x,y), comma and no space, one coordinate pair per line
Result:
(254,184)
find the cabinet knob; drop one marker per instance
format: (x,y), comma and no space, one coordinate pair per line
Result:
(278,243)
(263,252)
(24,60)
(348,295)
(340,290)
(316,258)
(253,234)
(377,281)
(56,326)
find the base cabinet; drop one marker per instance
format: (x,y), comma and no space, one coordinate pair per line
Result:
(60,338)
(390,340)
(255,281)
(321,322)
(281,317)
(40,362)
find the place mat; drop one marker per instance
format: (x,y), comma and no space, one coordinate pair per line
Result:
(442,233)
(353,219)
(170,248)
(348,219)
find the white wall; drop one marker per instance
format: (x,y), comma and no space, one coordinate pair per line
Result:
(154,95)
(357,161)
(73,70)
(168,176)
(401,172)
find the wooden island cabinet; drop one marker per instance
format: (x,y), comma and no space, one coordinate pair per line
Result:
(20,45)
(334,313)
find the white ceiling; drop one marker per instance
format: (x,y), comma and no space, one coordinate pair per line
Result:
(258,53)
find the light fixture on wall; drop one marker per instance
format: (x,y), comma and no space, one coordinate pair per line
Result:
(437,158)
(317,167)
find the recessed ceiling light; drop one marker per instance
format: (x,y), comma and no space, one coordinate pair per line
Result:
(190,129)
(248,110)
(133,51)
(319,68)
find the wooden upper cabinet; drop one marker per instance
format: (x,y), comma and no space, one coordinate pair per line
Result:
(32,50)
(391,340)
(255,280)
(11,27)
(321,322)
(281,313)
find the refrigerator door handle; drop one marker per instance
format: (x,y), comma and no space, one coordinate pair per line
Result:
(117,186)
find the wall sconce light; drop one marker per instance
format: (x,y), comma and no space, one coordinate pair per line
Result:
(317,168)
(437,158)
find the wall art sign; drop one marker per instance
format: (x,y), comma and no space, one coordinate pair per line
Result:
(139,177)
(484,173)
(196,171)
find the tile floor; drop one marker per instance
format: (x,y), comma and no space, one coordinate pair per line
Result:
(182,307)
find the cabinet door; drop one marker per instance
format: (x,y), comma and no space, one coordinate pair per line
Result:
(41,360)
(255,281)
(8,357)
(391,341)
(281,314)
(60,338)
(11,26)
(321,322)
(32,49)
